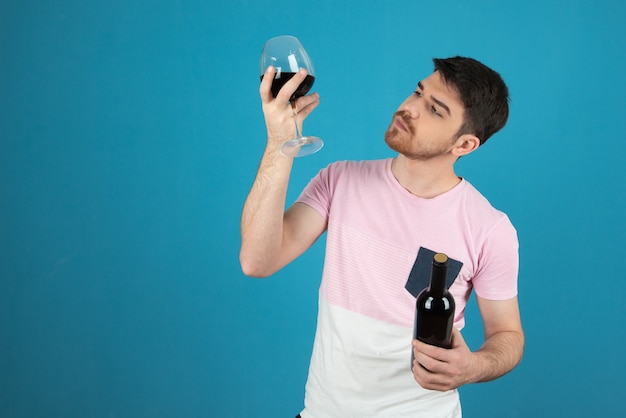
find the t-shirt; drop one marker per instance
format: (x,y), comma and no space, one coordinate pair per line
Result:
(360,365)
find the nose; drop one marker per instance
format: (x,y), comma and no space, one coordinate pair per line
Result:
(411,108)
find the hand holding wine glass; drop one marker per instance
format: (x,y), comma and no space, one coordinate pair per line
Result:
(287,56)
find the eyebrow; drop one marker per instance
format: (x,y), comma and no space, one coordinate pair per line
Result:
(438,102)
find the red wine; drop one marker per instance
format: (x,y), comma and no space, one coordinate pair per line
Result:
(434,309)
(281,78)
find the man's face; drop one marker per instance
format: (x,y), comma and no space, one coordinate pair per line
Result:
(425,126)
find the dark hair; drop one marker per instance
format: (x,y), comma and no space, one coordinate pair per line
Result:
(482,91)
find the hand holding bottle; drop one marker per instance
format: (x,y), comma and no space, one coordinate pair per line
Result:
(442,369)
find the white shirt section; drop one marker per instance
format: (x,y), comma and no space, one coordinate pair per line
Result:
(361,367)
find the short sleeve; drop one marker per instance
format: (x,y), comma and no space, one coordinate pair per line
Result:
(497,274)
(318,193)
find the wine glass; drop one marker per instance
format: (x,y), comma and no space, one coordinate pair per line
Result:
(287,55)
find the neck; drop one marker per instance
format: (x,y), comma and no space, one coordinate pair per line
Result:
(425,179)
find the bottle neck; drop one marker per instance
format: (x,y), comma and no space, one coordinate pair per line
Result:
(438,279)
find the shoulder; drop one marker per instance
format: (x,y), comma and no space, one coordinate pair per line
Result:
(482,210)
(479,201)
(350,167)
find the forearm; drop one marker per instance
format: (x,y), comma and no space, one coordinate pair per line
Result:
(500,353)
(262,222)
(262,216)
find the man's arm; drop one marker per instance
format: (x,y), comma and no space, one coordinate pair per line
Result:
(271,237)
(440,369)
(504,339)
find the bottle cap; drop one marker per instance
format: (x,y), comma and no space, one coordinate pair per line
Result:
(440,258)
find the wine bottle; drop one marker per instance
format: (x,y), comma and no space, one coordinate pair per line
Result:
(434,308)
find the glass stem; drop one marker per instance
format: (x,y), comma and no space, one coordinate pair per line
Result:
(295,118)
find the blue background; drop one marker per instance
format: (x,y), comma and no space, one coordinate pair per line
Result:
(130,134)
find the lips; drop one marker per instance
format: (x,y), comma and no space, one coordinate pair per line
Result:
(399,122)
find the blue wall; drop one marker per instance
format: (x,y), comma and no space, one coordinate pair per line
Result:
(130,133)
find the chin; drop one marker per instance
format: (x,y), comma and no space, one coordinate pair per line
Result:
(395,142)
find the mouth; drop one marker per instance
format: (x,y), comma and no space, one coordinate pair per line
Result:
(399,123)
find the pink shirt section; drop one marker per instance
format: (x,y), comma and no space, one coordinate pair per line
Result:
(376,227)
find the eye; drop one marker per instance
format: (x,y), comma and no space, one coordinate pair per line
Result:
(418,93)
(435,111)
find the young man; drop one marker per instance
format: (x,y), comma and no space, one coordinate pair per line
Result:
(382,218)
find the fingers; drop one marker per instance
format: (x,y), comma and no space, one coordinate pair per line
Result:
(430,360)
(306,104)
(266,84)
(440,368)
(286,91)
(430,380)
(431,373)
(290,87)
(430,350)
(278,113)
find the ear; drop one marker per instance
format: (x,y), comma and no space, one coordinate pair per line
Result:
(465,144)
